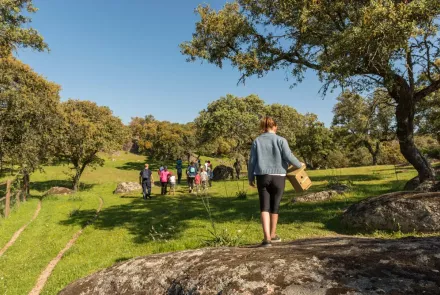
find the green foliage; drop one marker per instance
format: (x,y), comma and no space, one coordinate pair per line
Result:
(428,146)
(314,142)
(340,39)
(29,115)
(162,139)
(362,121)
(14,27)
(391,154)
(337,159)
(231,121)
(289,121)
(87,130)
(428,116)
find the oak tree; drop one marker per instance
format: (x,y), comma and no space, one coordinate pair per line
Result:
(393,44)
(87,130)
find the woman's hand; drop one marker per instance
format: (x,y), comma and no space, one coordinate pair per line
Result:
(252,183)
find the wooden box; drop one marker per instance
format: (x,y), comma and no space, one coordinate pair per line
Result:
(299,178)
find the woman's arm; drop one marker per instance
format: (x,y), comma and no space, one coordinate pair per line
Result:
(252,163)
(288,156)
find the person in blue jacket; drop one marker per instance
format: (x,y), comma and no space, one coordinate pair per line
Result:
(268,162)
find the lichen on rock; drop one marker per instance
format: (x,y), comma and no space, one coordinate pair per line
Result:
(322,266)
(402,211)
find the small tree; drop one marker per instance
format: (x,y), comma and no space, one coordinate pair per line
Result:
(359,44)
(87,130)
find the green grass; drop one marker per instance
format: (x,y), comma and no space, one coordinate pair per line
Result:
(128,226)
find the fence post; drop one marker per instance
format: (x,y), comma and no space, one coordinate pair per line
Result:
(8,198)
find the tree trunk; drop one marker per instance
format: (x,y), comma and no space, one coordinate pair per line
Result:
(77,177)
(26,183)
(405,111)
(374,152)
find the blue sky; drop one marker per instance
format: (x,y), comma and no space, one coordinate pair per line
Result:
(125,55)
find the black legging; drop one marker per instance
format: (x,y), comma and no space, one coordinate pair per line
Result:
(270,191)
(164,188)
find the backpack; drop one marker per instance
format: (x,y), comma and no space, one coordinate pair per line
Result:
(192,171)
(145,174)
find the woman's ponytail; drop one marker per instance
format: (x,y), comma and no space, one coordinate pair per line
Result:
(267,123)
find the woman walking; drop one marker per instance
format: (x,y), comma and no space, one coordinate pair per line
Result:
(270,157)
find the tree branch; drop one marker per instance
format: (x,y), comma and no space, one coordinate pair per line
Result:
(427,90)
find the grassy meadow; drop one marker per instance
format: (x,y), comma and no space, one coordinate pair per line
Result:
(129,226)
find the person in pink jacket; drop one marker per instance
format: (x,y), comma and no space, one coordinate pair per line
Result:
(163,175)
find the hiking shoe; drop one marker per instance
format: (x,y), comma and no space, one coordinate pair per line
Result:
(276,239)
(266,244)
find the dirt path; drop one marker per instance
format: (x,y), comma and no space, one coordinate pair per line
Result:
(44,276)
(18,232)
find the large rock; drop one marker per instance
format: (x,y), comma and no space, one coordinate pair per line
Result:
(315,197)
(428,186)
(127,187)
(223,172)
(405,211)
(58,190)
(307,267)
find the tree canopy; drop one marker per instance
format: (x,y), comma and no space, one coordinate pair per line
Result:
(232,120)
(359,44)
(87,130)
(29,115)
(163,139)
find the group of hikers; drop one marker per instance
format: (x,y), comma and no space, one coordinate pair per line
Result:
(198,178)
(270,157)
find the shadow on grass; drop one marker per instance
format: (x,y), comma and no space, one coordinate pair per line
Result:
(345,177)
(146,220)
(168,217)
(43,186)
(154,165)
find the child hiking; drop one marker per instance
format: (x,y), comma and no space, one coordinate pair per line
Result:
(204,177)
(191,173)
(164,180)
(172,182)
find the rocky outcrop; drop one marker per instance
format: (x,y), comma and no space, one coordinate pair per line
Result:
(223,172)
(314,267)
(315,197)
(127,187)
(58,190)
(428,186)
(404,211)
